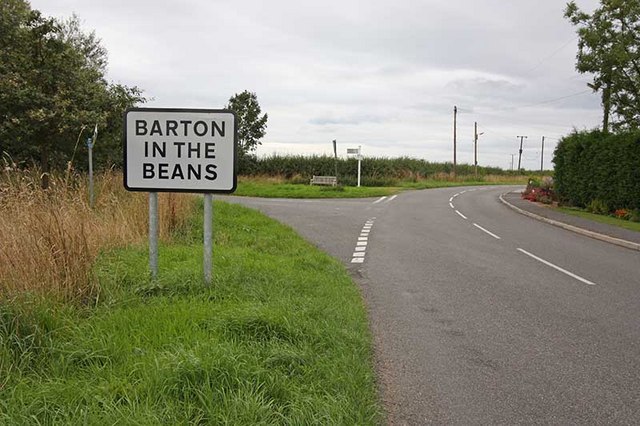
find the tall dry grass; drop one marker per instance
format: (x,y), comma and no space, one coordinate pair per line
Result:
(50,239)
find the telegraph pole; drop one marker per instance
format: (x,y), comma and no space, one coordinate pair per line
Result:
(512,155)
(542,156)
(520,156)
(455,117)
(475,147)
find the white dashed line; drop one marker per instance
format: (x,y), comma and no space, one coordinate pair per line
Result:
(361,244)
(564,271)
(451,199)
(488,232)
(451,205)
(393,197)
(380,199)
(461,215)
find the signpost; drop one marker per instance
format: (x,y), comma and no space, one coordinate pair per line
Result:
(358,153)
(180,150)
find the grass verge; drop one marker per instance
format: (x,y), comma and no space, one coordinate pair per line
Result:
(609,220)
(279,188)
(280,337)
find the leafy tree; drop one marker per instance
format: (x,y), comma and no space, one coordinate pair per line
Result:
(251,126)
(609,48)
(53,88)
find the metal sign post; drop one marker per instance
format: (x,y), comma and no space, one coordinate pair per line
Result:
(208,238)
(153,234)
(180,150)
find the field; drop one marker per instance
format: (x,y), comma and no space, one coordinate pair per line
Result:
(86,337)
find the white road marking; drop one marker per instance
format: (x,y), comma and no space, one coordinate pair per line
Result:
(379,199)
(451,205)
(488,232)
(461,215)
(361,244)
(455,195)
(564,271)
(393,197)
(451,199)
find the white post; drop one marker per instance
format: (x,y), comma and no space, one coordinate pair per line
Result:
(90,149)
(153,234)
(208,238)
(359,161)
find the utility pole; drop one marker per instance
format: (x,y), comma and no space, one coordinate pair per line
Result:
(475,146)
(520,156)
(455,117)
(542,157)
(512,155)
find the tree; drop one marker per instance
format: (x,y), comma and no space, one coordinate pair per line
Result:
(251,126)
(609,48)
(52,86)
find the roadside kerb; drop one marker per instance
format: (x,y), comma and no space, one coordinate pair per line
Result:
(596,235)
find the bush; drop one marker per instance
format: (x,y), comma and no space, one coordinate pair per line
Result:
(593,166)
(598,207)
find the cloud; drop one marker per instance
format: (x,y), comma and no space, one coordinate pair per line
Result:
(382,74)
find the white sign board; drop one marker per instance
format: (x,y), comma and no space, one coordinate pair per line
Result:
(180,150)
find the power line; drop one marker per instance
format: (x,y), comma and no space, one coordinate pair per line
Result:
(553,100)
(555,52)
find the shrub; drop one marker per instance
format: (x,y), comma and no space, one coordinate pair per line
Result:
(595,166)
(598,207)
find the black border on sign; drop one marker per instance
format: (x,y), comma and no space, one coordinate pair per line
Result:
(235,150)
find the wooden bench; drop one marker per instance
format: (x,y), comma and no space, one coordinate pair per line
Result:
(324,180)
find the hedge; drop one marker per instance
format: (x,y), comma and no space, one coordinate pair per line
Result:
(593,167)
(376,171)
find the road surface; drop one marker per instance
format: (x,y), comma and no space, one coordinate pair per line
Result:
(481,315)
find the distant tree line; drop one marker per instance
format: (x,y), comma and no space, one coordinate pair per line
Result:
(53,92)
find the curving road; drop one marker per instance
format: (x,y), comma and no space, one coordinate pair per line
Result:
(481,315)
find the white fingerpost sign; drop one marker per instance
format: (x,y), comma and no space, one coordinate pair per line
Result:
(358,153)
(180,150)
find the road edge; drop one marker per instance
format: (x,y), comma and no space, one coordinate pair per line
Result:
(596,235)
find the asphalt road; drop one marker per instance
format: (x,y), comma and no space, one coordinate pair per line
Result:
(481,315)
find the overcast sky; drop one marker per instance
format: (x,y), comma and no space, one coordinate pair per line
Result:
(381,74)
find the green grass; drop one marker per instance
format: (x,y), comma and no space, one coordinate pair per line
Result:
(609,220)
(281,337)
(270,189)
(254,188)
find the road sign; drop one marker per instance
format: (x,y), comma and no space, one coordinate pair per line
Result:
(180,150)
(353,151)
